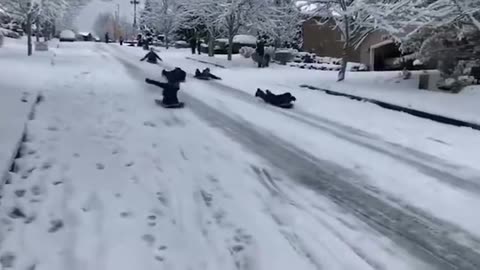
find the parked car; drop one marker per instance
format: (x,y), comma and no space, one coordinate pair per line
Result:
(67,36)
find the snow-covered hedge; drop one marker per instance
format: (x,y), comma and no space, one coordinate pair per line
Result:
(247,52)
(9,33)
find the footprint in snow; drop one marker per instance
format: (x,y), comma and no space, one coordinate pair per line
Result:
(7,259)
(149,239)
(149,124)
(20,192)
(125,214)
(30,219)
(52,128)
(237,248)
(100,166)
(17,213)
(36,190)
(129,164)
(46,165)
(55,225)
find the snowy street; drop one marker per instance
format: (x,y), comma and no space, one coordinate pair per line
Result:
(106,179)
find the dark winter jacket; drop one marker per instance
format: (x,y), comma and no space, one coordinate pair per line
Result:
(151,57)
(260,48)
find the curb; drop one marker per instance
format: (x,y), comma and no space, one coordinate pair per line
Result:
(205,62)
(386,105)
(16,152)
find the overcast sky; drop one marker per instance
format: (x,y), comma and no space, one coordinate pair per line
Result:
(87,16)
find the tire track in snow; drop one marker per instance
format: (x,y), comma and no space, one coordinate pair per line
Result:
(425,163)
(425,237)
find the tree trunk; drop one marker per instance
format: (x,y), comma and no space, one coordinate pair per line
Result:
(343,69)
(211,45)
(230,46)
(37,31)
(346,49)
(29,34)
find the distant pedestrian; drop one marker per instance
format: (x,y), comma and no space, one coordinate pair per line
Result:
(121,40)
(193,44)
(260,50)
(199,46)
(107,39)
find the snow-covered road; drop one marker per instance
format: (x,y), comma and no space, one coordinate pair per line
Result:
(109,180)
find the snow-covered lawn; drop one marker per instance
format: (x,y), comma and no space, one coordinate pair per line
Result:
(384,86)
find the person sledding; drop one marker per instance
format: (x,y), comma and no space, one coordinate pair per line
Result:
(170,88)
(151,57)
(205,75)
(284,100)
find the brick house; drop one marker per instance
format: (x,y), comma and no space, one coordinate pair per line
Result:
(378,51)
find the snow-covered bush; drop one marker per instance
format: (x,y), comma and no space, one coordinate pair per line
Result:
(270,50)
(246,51)
(283,56)
(181,44)
(41,46)
(9,33)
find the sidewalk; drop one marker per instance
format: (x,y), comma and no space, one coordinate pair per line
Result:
(15,108)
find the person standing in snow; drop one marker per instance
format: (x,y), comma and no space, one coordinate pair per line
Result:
(106,37)
(199,46)
(260,50)
(121,40)
(193,43)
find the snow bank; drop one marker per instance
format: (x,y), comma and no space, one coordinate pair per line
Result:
(17,95)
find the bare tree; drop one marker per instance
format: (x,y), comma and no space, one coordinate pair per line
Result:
(204,13)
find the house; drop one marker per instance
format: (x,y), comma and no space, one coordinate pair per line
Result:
(378,51)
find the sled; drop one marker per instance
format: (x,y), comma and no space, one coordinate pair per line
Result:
(285,106)
(169,106)
(202,78)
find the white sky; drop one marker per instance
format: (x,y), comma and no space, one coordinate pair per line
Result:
(87,16)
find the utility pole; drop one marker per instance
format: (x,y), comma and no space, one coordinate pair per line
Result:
(117,22)
(135,3)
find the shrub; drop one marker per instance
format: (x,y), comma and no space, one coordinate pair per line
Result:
(247,52)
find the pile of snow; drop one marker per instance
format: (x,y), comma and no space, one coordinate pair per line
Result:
(67,35)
